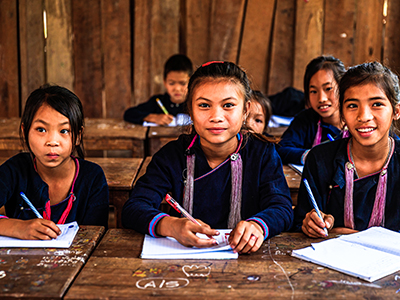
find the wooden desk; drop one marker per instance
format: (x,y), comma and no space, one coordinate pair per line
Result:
(99,134)
(45,273)
(158,136)
(120,174)
(115,271)
(293,180)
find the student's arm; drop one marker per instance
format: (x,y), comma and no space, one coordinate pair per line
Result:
(276,214)
(160,119)
(96,206)
(141,113)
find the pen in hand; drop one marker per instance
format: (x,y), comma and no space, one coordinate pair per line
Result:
(30,205)
(165,111)
(314,203)
(171,201)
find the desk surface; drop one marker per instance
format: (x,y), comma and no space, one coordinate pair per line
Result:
(114,270)
(39,273)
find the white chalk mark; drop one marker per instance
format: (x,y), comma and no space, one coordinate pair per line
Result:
(196,271)
(2,274)
(346,282)
(283,270)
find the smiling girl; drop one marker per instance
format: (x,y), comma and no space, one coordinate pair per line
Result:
(224,178)
(322,119)
(62,187)
(355,180)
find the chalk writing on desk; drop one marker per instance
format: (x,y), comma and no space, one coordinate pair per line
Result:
(196,271)
(161,283)
(2,274)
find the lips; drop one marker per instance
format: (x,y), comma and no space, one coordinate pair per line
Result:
(52,155)
(365,131)
(324,107)
(216,130)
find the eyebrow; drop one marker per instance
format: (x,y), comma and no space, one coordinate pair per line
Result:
(369,99)
(225,99)
(326,83)
(45,123)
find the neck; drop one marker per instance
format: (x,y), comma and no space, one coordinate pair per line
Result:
(216,154)
(334,120)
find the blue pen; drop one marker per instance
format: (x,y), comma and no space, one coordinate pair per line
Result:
(314,203)
(330,138)
(30,205)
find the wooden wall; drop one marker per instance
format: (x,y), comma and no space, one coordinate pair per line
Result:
(111,52)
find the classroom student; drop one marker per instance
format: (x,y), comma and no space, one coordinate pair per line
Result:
(260,112)
(222,177)
(321,121)
(177,71)
(61,187)
(355,180)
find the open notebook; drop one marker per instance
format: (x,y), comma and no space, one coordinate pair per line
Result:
(370,254)
(169,248)
(179,120)
(64,240)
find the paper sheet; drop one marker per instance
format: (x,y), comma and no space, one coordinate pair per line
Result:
(64,240)
(169,248)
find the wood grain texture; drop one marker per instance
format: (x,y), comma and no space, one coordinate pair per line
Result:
(339,36)
(116,44)
(255,43)
(88,84)
(368,35)
(9,93)
(59,55)
(391,54)
(32,47)
(282,47)
(308,41)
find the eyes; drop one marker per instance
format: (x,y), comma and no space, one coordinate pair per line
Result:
(326,89)
(225,105)
(377,104)
(64,131)
(181,83)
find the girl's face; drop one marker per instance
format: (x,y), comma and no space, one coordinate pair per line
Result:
(256,118)
(323,97)
(368,114)
(218,113)
(176,84)
(50,137)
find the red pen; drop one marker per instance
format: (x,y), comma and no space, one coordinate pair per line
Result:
(171,201)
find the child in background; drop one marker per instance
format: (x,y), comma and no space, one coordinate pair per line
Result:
(61,187)
(321,122)
(220,176)
(355,180)
(177,71)
(260,112)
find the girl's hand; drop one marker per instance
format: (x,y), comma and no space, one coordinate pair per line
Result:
(313,226)
(246,237)
(35,229)
(184,231)
(159,119)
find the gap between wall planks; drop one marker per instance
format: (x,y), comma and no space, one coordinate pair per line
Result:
(112,52)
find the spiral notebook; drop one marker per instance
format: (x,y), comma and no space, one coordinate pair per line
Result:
(64,240)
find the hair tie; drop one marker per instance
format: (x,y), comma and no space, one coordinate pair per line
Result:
(212,62)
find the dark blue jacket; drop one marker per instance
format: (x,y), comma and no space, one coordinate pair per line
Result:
(325,172)
(91,191)
(265,193)
(300,135)
(138,113)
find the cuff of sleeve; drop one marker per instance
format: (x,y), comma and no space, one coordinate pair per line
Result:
(154,222)
(304,156)
(3,217)
(262,224)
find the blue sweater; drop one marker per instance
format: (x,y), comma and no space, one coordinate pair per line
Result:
(325,172)
(91,191)
(265,193)
(138,113)
(300,135)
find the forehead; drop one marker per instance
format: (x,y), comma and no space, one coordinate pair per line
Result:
(177,76)
(365,92)
(218,89)
(322,76)
(256,108)
(49,114)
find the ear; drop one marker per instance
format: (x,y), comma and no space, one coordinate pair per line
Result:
(246,109)
(396,112)
(79,137)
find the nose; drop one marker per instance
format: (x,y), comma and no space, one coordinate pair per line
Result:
(364,114)
(52,140)
(216,115)
(323,96)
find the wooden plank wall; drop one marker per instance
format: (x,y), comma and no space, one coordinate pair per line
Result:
(111,52)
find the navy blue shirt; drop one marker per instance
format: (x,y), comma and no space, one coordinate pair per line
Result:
(325,172)
(138,113)
(91,191)
(300,135)
(265,194)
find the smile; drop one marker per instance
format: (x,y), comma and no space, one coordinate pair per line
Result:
(365,129)
(323,107)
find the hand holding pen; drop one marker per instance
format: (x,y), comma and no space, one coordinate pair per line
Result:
(315,223)
(184,234)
